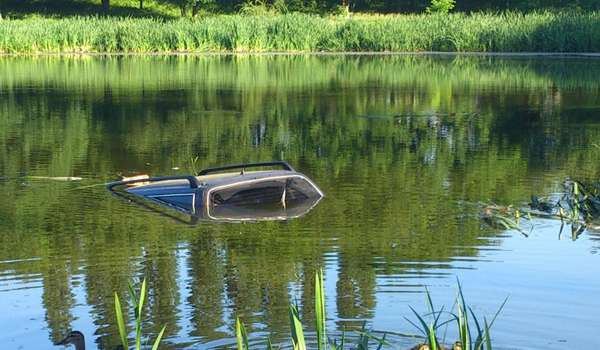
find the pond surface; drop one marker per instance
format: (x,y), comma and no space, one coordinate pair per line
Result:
(406,149)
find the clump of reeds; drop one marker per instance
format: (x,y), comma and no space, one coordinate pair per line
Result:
(465,320)
(464,317)
(567,31)
(137,300)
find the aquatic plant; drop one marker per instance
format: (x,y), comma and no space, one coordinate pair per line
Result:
(483,340)
(578,206)
(241,335)
(320,316)
(137,300)
(429,328)
(428,325)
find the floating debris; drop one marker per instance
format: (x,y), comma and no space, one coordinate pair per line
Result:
(55,178)
(578,206)
(136,178)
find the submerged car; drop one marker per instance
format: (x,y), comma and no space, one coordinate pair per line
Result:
(228,193)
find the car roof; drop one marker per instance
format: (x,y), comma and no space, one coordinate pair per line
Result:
(182,186)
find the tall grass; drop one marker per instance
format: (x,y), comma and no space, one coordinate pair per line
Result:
(137,300)
(427,324)
(571,31)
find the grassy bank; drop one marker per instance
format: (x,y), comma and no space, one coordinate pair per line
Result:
(508,32)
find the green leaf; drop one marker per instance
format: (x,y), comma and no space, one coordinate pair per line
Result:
(320,317)
(132,296)
(138,315)
(498,312)
(142,299)
(241,335)
(121,323)
(463,319)
(488,338)
(433,344)
(479,340)
(158,338)
(296,327)
(381,342)
(425,328)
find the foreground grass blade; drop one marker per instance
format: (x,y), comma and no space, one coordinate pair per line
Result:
(158,339)
(428,330)
(138,305)
(498,312)
(296,328)
(381,342)
(241,335)
(463,319)
(121,322)
(138,316)
(488,338)
(343,340)
(320,316)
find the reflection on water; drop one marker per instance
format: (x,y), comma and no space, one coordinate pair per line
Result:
(404,147)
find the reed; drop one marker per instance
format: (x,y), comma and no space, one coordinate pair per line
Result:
(137,300)
(544,31)
(320,316)
(483,339)
(429,328)
(427,324)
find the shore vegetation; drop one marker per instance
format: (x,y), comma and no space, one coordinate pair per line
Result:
(545,31)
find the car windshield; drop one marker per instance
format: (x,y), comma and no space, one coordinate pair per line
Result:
(267,195)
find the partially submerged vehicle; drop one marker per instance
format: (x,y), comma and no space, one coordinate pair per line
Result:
(228,193)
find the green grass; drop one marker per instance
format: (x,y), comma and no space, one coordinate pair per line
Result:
(574,31)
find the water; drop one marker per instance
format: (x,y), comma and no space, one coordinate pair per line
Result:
(405,147)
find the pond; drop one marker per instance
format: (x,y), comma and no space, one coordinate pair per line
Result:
(406,149)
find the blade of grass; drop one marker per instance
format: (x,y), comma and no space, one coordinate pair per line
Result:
(320,312)
(463,319)
(158,339)
(121,322)
(241,335)
(421,320)
(382,342)
(498,312)
(296,328)
(488,338)
(479,340)
(138,318)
